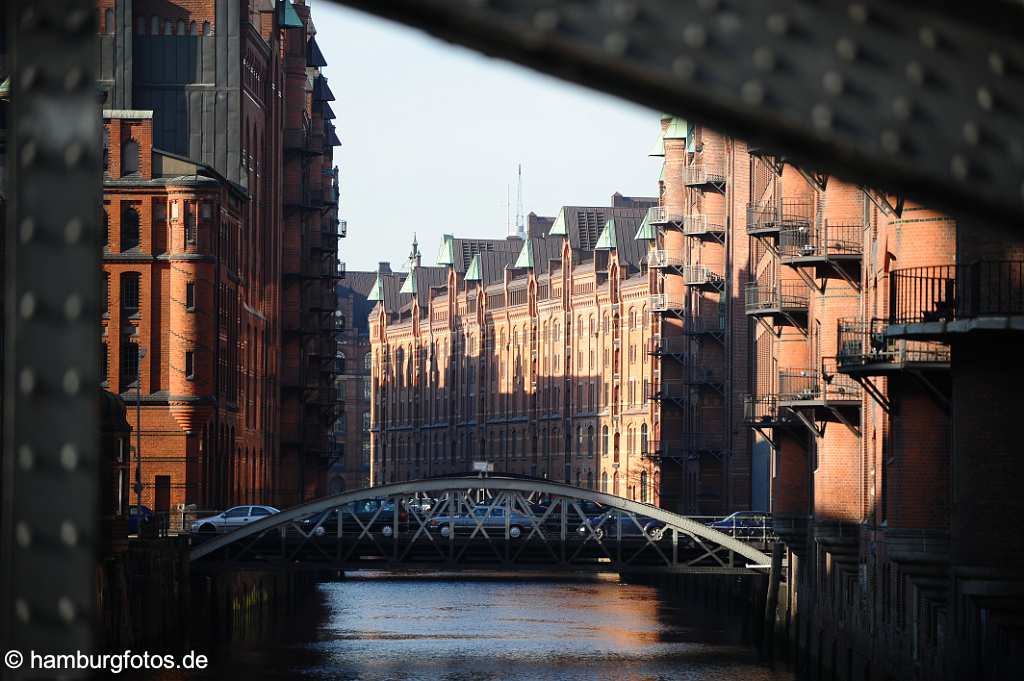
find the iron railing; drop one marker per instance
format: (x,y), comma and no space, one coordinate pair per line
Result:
(830,240)
(760,409)
(775,215)
(687,446)
(789,296)
(660,215)
(701,275)
(703,173)
(947,292)
(862,343)
(671,345)
(812,385)
(671,389)
(661,302)
(698,326)
(661,258)
(696,225)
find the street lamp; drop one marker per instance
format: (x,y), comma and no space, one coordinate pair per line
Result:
(138,428)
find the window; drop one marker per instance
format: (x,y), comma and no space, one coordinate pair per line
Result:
(366,420)
(339,362)
(643,439)
(129,229)
(339,320)
(181,27)
(190,364)
(590,441)
(190,224)
(368,361)
(643,486)
(207,29)
(103,362)
(366,388)
(259,510)
(130,292)
(168,27)
(106,293)
(240,512)
(129,364)
(604,440)
(190,296)
(366,452)
(108,22)
(155,26)
(129,157)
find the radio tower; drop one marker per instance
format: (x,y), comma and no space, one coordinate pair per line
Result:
(520,218)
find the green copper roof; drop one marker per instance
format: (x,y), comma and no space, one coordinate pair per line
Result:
(659,147)
(473,273)
(607,241)
(446,256)
(410,283)
(376,293)
(676,130)
(5,89)
(661,175)
(647,232)
(525,259)
(289,18)
(558,227)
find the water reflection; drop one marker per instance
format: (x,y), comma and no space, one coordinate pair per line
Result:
(458,629)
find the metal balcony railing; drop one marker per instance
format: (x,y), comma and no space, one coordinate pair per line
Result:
(862,344)
(661,258)
(697,326)
(660,215)
(671,389)
(700,174)
(661,302)
(703,375)
(765,218)
(782,296)
(342,228)
(760,409)
(672,345)
(812,385)
(986,288)
(828,241)
(701,275)
(701,224)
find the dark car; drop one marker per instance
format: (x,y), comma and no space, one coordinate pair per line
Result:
(612,524)
(137,517)
(744,524)
(375,515)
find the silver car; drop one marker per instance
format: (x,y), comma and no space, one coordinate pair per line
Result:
(232,519)
(491,518)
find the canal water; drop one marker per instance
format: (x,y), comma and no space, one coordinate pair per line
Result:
(491,628)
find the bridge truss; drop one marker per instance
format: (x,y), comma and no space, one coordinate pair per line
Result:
(472,523)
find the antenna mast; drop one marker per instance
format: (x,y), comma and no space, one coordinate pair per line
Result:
(520,218)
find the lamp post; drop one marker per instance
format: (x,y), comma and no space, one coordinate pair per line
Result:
(138,430)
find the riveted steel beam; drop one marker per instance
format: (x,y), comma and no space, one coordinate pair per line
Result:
(52,314)
(921,98)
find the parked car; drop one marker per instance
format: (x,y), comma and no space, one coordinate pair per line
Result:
(608,524)
(491,518)
(232,519)
(137,517)
(378,515)
(744,524)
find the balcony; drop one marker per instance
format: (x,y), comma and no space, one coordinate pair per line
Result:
(704,376)
(824,387)
(672,390)
(934,302)
(702,174)
(672,346)
(704,326)
(662,302)
(763,411)
(784,301)
(804,244)
(342,228)
(660,215)
(687,446)
(703,225)
(865,350)
(702,277)
(770,218)
(660,259)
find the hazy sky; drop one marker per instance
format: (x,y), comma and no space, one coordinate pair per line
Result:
(431,135)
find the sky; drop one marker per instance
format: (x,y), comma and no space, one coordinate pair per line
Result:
(432,133)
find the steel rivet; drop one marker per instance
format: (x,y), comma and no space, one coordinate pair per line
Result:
(832,82)
(958,166)
(985,98)
(69,456)
(73,231)
(890,141)
(995,62)
(695,36)
(545,20)
(23,534)
(68,533)
(971,133)
(73,79)
(73,154)
(28,17)
(616,43)
(915,73)
(27,381)
(27,231)
(927,37)
(21,610)
(72,382)
(822,117)
(28,154)
(764,59)
(858,12)
(73,306)
(29,77)
(846,49)
(752,92)
(901,107)
(684,67)
(26,457)
(28,305)
(66,609)
(777,24)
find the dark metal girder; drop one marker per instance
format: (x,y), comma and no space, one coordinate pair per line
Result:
(916,97)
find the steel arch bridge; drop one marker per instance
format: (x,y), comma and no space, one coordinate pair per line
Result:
(474,523)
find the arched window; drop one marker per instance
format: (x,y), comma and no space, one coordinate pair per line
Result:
(207,29)
(129,157)
(643,440)
(108,21)
(643,486)
(193,29)
(181,27)
(604,440)
(168,27)
(630,437)
(339,362)
(604,481)
(368,361)
(615,484)
(129,229)
(590,441)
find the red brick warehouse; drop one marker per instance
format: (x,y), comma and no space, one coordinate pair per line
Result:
(221,249)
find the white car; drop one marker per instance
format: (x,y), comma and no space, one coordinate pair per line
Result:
(232,519)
